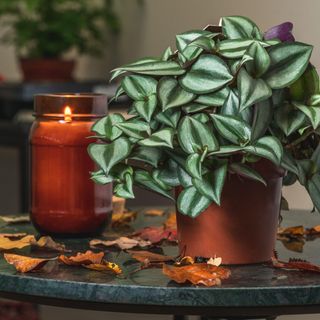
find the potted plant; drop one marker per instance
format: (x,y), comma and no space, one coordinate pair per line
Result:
(219,126)
(44,30)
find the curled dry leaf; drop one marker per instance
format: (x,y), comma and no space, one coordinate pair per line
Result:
(26,264)
(185,261)
(171,222)
(157,234)
(292,244)
(149,257)
(13,235)
(313,231)
(104,266)
(15,219)
(216,261)
(8,244)
(122,242)
(295,264)
(123,218)
(197,273)
(46,242)
(86,258)
(297,231)
(154,212)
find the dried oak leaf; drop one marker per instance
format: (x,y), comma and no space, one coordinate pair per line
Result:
(197,273)
(154,212)
(122,242)
(297,231)
(313,231)
(184,261)
(149,257)
(123,218)
(46,242)
(80,258)
(295,264)
(171,222)
(8,244)
(104,266)
(15,219)
(157,234)
(216,261)
(26,264)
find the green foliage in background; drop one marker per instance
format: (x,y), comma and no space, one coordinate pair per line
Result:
(226,98)
(50,28)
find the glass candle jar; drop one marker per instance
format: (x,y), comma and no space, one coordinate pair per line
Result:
(64,200)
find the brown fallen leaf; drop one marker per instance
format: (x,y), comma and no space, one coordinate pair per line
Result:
(185,261)
(122,242)
(197,273)
(123,218)
(104,266)
(154,212)
(295,264)
(171,222)
(313,231)
(149,257)
(157,234)
(26,264)
(13,235)
(297,231)
(118,205)
(86,258)
(8,244)
(46,242)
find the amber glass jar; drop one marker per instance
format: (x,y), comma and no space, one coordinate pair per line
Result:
(64,200)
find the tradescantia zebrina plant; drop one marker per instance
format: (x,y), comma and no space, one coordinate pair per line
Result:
(227,90)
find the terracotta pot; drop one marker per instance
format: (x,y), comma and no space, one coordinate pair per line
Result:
(243,229)
(47,69)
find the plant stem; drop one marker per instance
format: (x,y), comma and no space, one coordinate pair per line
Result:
(299,140)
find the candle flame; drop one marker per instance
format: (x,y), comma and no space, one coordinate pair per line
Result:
(67,114)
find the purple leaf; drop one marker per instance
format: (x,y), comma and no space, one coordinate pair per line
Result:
(281,31)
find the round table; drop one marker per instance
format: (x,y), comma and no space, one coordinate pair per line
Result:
(251,291)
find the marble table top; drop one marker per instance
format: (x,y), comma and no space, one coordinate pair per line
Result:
(251,289)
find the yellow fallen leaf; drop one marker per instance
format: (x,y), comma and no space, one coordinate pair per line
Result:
(15,219)
(216,261)
(8,244)
(26,264)
(122,242)
(104,266)
(154,212)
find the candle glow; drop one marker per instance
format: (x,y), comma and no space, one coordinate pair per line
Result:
(67,114)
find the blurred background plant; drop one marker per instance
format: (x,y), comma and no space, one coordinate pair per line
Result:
(50,28)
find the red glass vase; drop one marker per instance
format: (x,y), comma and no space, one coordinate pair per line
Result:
(64,200)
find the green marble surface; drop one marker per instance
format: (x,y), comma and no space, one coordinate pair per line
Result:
(249,286)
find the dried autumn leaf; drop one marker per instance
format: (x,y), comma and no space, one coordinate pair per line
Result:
(297,231)
(313,231)
(8,244)
(13,235)
(86,258)
(149,257)
(122,218)
(46,242)
(171,222)
(154,212)
(216,261)
(295,264)
(104,266)
(122,242)
(15,219)
(185,261)
(118,205)
(197,273)
(26,264)
(157,234)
